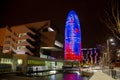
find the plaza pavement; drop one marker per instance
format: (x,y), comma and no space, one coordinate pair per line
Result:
(99,75)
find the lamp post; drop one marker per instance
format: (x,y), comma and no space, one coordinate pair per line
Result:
(109,41)
(108,53)
(118,55)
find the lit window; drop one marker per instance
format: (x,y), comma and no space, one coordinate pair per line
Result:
(5,60)
(20,47)
(22,34)
(20,61)
(20,41)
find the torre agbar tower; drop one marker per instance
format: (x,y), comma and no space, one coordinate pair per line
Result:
(72,42)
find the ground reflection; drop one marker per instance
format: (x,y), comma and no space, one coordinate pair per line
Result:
(67,76)
(60,76)
(71,76)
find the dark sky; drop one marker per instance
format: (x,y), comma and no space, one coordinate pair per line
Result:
(15,12)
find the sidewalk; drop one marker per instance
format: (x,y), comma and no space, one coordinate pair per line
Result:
(117,73)
(108,72)
(99,75)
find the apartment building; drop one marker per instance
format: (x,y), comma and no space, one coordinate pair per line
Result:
(28,38)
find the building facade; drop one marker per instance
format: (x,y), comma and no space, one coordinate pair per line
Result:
(28,38)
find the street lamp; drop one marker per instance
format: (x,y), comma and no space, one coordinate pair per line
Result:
(118,55)
(109,42)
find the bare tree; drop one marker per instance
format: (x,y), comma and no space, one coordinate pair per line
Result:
(112,17)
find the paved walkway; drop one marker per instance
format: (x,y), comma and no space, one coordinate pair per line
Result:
(99,75)
(108,72)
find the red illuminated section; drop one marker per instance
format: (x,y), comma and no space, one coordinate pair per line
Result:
(70,54)
(73,57)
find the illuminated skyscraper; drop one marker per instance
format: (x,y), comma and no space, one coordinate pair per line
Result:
(72,49)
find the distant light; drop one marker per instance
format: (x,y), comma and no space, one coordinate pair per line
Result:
(88,48)
(52,72)
(50,29)
(20,61)
(118,51)
(84,49)
(111,40)
(58,44)
(112,43)
(105,53)
(78,73)
(118,55)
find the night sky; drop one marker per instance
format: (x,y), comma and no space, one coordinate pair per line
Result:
(15,12)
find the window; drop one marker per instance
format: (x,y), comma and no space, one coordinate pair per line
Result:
(7,42)
(13,39)
(20,47)
(20,41)
(6,48)
(9,29)
(13,46)
(5,60)
(15,34)
(22,34)
(20,61)
(8,36)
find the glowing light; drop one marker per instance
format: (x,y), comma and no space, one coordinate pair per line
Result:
(50,29)
(57,43)
(20,61)
(52,72)
(72,37)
